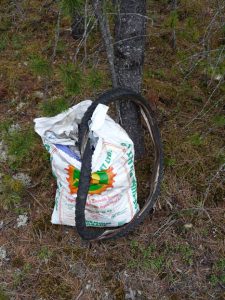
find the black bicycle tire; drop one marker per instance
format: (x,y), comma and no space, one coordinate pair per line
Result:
(85,175)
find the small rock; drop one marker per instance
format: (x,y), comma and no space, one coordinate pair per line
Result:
(22,220)
(78,269)
(20,106)
(201,247)
(39,95)
(88,285)
(188,226)
(131,294)
(24,178)
(126,274)
(1,224)
(218,77)
(3,253)
(3,152)
(14,127)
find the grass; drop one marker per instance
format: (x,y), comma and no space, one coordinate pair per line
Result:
(19,275)
(218,276)
(145,257)
(40,66)
(71,77)
(71,6)
(20,146)
(95,79)
(52,107)
(3,42)
(3,295)
(44,253)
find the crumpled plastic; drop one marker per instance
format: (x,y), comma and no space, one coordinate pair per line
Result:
(112,197)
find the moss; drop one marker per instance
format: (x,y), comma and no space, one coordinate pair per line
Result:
(17,262)
(11,192)
(146,258)
(74,252)
(3,295)
(53,287)
(165,90)
(44,253)
(42,224)
(118,290)
(20,275)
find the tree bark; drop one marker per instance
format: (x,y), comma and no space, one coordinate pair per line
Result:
(130,32)
(126,59)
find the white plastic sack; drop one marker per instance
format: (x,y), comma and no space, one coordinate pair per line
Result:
(112,198)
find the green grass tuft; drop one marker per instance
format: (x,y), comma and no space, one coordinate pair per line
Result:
(196,139)
(71,78)
(69,7)
(20,146)
(53,107)
(40,66)
(95,79)
(3,42)
(3,295)
(219,121)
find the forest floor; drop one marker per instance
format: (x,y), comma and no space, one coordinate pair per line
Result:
(178,253)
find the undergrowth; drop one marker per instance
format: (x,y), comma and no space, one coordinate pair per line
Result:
(52,107)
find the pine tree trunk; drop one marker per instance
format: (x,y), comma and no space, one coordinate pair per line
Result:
(130,32)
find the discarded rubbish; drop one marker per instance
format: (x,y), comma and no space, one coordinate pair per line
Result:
(92,159)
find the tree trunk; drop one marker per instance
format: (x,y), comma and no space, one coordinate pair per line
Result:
(126,59)
(130,32)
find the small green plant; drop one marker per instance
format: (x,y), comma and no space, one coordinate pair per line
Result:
(219,121)
(17,42)
(53,287)
(3,42)
(218,275)
(134,245)
(3,295)
(20,274)
(61,46)
(11,192)
(148,74)
(20,145)
(215,279)
(172,20)
(169,162)
(4,127)
(44,253)
(145,257)
(190,31)
(53,107)
(69,7)
(95,79)
(71,77)
(186,253)
(40,66)
(220,264)
(196,139)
